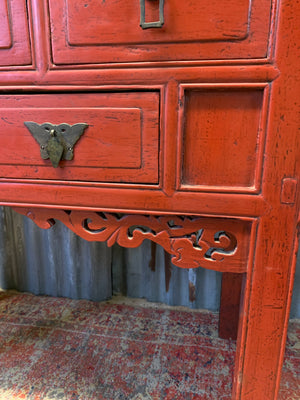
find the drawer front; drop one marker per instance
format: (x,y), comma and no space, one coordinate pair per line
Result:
(14,35)
(90,31)
(119,144)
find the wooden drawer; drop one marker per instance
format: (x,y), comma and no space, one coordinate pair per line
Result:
(120,143)
(14,35)
(90,31)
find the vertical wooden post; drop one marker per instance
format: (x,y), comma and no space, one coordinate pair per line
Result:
(230,305)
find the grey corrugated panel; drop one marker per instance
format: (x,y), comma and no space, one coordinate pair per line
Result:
(54,261)
(12,249)
(58,263)
(164,282)
(295,308)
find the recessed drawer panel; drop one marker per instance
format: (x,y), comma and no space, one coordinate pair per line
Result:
(14,35)
(222,138)
(118,141)
(92,31)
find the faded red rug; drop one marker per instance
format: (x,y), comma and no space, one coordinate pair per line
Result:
(54,348)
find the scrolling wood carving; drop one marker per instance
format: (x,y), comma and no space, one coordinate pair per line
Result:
(215,243)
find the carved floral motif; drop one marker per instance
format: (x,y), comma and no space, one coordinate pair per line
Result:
(213,243)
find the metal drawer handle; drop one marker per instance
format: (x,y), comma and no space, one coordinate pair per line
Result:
(56,141)
(154,24)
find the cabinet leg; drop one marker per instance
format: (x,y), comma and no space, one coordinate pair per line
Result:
(264,313)
(230,305)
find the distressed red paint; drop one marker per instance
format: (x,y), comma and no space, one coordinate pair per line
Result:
(199,120)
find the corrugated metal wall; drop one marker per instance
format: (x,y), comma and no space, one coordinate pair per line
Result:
(59,263)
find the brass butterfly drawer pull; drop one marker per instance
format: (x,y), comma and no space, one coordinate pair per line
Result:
(56,141)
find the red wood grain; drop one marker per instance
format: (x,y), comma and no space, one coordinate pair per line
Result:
(5,35)
(230,305)
(192,30)
(214,243)
(269,285)
(14,33)
(289,190)
(221,137)
(217,92)
(114,76)
(121,143)
(110,23)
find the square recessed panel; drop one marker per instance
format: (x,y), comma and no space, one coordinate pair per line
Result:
(5,34)
(222,139)
(14,34)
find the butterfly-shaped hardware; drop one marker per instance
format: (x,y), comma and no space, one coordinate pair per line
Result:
(56,141)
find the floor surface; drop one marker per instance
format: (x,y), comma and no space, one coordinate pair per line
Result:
(56,348)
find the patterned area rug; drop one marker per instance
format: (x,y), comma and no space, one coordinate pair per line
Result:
(54,348)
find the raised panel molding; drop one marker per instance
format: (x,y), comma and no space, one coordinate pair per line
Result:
(121,138)
(222,132)
(15,49)
(194,30)
(5,33)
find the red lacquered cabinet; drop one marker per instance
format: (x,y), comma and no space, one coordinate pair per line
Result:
(170,121)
